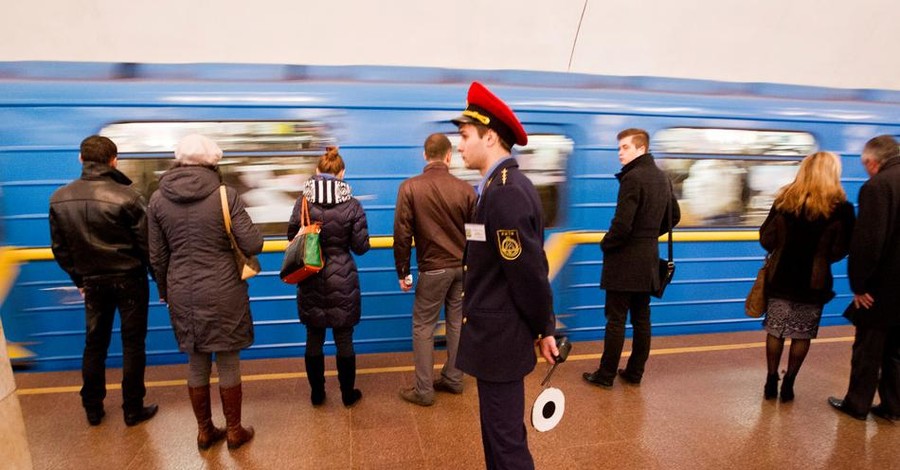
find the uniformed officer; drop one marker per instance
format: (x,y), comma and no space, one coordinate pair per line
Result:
(507,302)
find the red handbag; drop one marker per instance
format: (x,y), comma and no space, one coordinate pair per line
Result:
(303,256)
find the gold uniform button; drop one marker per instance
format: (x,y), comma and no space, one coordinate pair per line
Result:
(463,294)
(465,319)
(465,267)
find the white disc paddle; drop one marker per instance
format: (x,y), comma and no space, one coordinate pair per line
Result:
(548,409)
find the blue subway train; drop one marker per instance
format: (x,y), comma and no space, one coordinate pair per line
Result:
(727,147)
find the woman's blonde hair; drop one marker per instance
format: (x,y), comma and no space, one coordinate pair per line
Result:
(816,190)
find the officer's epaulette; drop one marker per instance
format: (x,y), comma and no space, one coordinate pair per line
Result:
(503,176)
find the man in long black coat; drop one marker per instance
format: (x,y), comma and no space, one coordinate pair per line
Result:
(631,256)
(873,269)
(507,302)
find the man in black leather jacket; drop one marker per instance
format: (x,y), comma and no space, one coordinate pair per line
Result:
(98,228)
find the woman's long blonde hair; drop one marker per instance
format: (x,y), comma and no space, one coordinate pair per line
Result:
(816,190)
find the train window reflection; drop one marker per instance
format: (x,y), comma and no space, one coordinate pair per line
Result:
(686,140)
(726,193)
(232,136)
(543,161)
(268,185)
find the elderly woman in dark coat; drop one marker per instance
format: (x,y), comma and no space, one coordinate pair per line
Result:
(331,298)
(197,277)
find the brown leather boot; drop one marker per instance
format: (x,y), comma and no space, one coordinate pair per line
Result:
(207,433)
(236,434)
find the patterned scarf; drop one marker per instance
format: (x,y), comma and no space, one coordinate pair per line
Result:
(326,191)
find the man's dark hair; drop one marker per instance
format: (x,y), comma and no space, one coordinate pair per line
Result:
(882,148)
(639,137)
(98,149)
(482,130)
(436,146)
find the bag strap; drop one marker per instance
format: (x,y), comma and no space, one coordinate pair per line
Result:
(304,213)
(226,216)
(669,204)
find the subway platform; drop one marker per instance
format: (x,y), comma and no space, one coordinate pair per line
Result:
(700,406)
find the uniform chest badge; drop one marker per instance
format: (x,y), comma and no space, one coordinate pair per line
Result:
(509,244)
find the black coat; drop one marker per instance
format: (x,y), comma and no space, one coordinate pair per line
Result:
(507,302)
(331,297)
(631,246)
(805,250)
(194,265)
(874,263)
(98,225)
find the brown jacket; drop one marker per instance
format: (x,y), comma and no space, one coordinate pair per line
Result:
(432,208)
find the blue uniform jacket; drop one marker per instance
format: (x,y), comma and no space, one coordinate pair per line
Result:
(507,302)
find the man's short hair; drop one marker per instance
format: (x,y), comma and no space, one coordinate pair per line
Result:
(639,137)
(98,149)
(436,146)
(882,148)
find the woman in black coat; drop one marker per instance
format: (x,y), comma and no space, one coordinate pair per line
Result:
(197,277)
(806,231)
(331,298)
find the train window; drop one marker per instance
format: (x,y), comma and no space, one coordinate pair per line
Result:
(729,191)
(734,142)
(267,162)
(543,161)
(232,136)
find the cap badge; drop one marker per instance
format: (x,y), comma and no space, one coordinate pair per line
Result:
(508,241)
(477,116)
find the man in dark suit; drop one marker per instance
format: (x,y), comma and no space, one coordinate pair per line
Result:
(507,302)
(873,268)
(631,256)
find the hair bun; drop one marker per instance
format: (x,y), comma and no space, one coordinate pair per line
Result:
(331,151)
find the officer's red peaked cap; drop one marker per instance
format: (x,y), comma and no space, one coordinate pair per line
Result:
(483,107)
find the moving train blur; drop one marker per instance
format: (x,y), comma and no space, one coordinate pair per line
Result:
(727,147)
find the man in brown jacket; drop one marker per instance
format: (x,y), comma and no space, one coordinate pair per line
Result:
(432,208)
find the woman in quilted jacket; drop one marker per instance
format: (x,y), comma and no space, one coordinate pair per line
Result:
(331,298)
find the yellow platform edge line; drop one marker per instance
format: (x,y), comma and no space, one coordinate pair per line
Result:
(399,369)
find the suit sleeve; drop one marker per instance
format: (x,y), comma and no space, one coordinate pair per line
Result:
(62,251)
(403,227)
(514,232)
(869,237)
(138,214)
(768,231)
(623,221)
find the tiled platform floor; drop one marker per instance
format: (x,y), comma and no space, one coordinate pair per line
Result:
(700,406)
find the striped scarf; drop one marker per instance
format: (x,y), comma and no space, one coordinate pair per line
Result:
(326,191)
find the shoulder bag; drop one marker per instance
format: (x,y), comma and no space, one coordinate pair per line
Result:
(247,267)
(303,256)
(666,267)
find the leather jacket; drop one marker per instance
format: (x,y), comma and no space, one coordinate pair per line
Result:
(432,207)
(98,225)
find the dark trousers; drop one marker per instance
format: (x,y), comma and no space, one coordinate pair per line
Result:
(501,407)
(315,341)
(875,364)
(617,306)
(129,293)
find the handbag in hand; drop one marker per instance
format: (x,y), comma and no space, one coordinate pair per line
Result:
(247,266)
(303,256)
(666,266)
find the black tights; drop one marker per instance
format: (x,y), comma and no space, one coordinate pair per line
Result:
(774,347)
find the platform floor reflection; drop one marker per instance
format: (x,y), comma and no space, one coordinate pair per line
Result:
(700,406)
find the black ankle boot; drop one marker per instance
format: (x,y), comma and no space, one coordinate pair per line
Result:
(771,390)
(787,388)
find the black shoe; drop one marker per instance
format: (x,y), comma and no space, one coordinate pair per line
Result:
(629,378)
(141,415)
(787,389)
(839,405)
(771,389)
(95,416)
(879,411)
(595,378)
